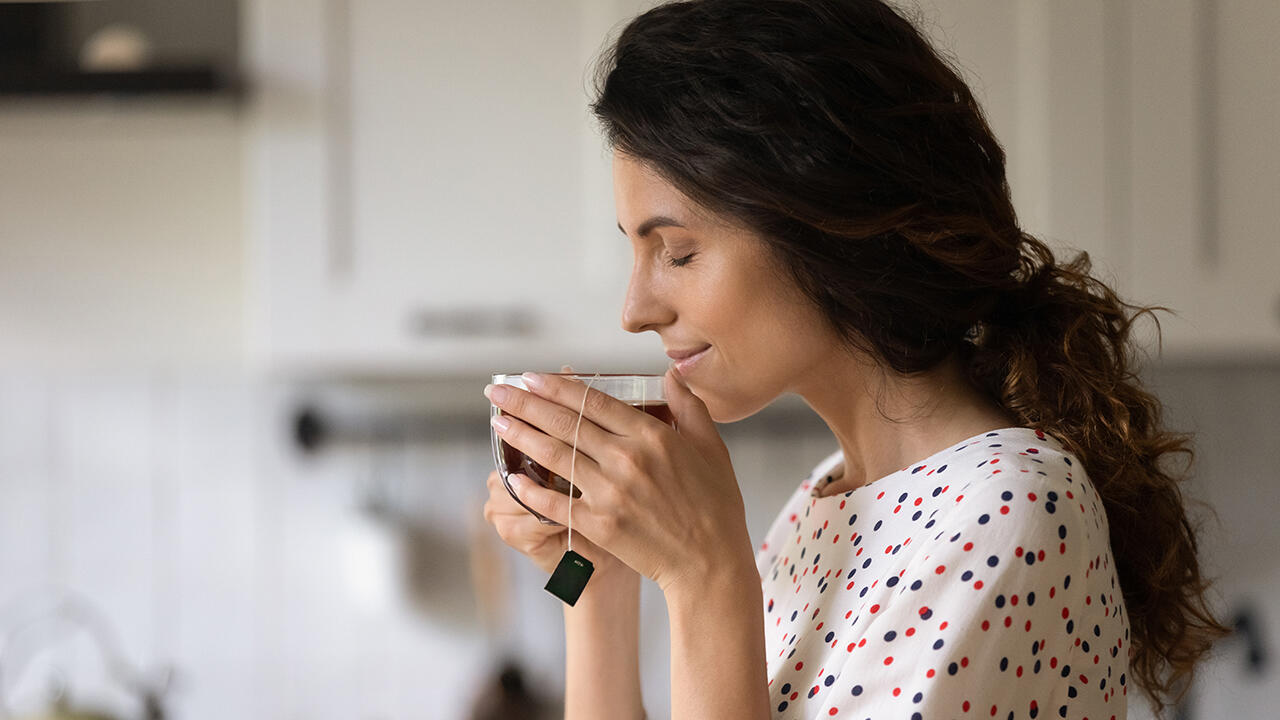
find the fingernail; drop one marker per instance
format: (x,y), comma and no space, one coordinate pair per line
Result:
(496,393)
(517,481)
(500,422)
(533,380)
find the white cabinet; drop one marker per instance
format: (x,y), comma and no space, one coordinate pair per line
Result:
(1205,192)
(430,192)
(1143,133)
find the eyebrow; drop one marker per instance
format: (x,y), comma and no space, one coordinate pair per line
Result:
(649,225)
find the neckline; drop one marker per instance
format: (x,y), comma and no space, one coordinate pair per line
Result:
(838,456)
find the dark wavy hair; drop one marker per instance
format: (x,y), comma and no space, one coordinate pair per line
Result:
(837,132)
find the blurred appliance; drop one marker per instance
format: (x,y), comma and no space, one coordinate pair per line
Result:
(118,47)
(70,609)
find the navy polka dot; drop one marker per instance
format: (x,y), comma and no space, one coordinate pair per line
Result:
(897,590)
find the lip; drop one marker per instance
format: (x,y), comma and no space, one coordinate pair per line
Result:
(685,364)
(682,354)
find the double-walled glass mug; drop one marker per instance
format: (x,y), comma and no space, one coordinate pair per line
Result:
(643,392)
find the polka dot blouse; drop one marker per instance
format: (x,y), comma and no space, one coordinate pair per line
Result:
(976,583)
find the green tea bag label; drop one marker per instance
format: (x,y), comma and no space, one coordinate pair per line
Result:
(570,577)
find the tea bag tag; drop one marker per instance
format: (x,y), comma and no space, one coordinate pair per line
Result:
(570,577)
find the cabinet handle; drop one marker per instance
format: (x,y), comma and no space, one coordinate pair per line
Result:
(474,322)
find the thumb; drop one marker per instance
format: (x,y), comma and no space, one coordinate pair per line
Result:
(693,420)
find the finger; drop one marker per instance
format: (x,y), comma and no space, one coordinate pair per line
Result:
(553,454)
(551,504)
(693,420)
(505,512)
(560,420)
(601,409)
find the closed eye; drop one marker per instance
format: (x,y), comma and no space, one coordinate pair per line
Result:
(681,262)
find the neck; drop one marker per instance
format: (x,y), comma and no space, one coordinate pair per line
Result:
(934,410)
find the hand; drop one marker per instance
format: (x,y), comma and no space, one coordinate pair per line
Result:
(542,543)
(664,502)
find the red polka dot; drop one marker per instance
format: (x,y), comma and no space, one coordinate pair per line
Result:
(888,660)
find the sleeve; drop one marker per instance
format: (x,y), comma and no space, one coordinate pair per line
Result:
(979,623)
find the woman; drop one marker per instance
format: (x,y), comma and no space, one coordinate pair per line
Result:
(817,204)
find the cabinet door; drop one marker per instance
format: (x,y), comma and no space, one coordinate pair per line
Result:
(1038,70)
(1205,94)
(421,183)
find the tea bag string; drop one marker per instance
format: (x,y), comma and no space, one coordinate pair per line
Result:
(574,457)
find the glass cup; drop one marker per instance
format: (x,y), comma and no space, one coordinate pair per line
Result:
(643,392)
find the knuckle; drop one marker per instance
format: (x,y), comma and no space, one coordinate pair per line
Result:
(612,495)
(652,435)
(597,402)
(623,462)
(634,462)
(557,456)
(563,425)
(608,525)
(516,402)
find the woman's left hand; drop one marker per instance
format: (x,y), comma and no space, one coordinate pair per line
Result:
(665,502)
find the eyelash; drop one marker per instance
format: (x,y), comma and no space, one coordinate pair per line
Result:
(681,262)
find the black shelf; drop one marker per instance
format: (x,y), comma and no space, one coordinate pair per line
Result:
(191,79)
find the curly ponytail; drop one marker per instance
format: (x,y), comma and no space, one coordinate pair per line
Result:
(1058,355)
(835,131)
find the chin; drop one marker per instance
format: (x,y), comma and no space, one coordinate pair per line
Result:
(727,412)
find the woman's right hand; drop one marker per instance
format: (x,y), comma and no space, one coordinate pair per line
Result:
(542,543)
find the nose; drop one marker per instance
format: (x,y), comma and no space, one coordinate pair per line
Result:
(641,309)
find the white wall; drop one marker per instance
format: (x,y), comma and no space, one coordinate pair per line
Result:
(121,234)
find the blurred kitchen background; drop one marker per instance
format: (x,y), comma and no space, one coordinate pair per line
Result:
(259,257)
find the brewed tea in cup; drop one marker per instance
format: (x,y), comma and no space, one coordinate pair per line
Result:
(643,392)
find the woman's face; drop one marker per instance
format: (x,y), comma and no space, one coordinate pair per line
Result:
(724,292)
